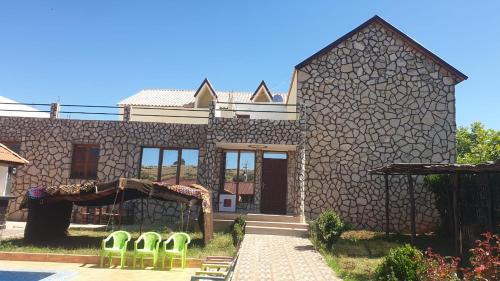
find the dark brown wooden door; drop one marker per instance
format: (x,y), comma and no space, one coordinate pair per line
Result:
(274,186)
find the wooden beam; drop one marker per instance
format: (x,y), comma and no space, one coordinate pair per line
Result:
(386,178)
(412,210)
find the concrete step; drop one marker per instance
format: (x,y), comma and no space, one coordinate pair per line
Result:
(273,218)
(276,231)
(259,217)
(291,225)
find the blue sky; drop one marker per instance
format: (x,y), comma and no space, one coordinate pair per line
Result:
(99,52)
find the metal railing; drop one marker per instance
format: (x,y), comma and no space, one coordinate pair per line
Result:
(151,113)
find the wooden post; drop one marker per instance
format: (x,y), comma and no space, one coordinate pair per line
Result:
(456,218)
(208,222)
(386,178)
(491,224)
(412,209)
(142,215)
(120,210)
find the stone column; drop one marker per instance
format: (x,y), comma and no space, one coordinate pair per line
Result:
(54,110)
(210,173)
(301,176)
(258,179)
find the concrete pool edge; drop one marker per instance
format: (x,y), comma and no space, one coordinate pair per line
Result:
(70,258)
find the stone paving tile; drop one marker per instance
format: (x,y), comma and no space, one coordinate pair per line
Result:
(273,257)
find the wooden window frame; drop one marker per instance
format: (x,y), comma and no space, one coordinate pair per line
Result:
(86,162)
(160,160)
(239,151)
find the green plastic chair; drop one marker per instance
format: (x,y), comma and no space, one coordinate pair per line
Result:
(151,247)
(178,251)
(119,247)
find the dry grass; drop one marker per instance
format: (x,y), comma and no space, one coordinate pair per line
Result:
(87,242)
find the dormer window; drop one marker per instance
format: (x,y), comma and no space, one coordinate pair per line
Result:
(204,95)
(262,94)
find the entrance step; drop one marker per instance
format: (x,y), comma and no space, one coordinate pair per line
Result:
(274,218)
(264,224)
(276,231)
(291,225)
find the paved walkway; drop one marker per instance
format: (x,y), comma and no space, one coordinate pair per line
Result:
(272,257)
(82,272)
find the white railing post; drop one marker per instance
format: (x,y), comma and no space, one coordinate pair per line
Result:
(55,108)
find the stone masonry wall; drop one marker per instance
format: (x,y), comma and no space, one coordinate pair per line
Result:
(48,145)
(369,101)
(258,131)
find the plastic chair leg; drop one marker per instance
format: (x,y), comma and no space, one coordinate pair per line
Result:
(102,259)
(123,260)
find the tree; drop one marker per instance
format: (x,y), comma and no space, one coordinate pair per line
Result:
(477,144)
(183,162)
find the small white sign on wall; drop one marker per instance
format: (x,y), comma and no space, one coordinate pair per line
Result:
(227,203)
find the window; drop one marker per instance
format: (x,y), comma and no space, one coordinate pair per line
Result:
(170,165)
(239,175)
(13,145)
(189,167)
(85,159)
(275,155)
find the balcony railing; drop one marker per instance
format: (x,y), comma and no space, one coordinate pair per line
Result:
(272,111)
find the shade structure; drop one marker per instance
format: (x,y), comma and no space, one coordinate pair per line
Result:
(486,170)
(49,208)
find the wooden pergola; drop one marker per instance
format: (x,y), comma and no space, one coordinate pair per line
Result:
(454,170)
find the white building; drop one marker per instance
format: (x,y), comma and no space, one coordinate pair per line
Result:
(10,107)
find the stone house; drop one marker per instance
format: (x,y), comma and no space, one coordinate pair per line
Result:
(372,97)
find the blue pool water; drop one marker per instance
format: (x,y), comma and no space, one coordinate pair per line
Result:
(23,275)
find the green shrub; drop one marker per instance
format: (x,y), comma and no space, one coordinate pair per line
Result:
(401,264)
(238,230)
(327,228)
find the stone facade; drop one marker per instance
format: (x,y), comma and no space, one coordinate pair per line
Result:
(48,144)
(372,100)
(258,131)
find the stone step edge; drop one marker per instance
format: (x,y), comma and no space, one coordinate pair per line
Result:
(276,228)
(270,223)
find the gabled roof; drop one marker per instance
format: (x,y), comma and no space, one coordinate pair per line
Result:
(185,98)
(263,86)
(406,38)
(207,83)
(10,157)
